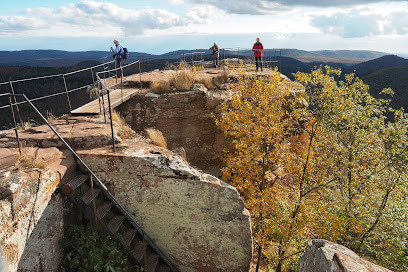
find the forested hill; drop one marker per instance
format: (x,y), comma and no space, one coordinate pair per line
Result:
(386,71)
(57,58)
(380,63)
(53,58)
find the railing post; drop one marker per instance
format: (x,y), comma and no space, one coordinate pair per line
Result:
(93,200)
(140,76)
(116,67)
(104,68)
(93,78)
(66,91)
(99,96)
(280,61)
(111,122)
(15,102)
(15,123)
(121,83)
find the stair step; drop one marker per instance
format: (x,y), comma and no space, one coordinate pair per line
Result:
(87,197)
(115,223)
(128,237)
(103,209)
(151,262)
(161,268)
(74,183)
(138,251)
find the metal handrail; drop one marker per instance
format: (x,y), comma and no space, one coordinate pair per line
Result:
(55,75)
(117,68)
(99,182)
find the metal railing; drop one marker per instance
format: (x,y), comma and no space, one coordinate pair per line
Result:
(91,173)
(269,56)
(197,56)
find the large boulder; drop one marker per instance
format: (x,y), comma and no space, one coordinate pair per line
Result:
(198,221)
(324,256)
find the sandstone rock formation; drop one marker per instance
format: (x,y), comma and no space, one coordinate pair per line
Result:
(186,120)
(198,221)
(324,256)
(32,217)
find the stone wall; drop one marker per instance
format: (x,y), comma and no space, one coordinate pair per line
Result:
(186,120)
(32,216)
(198,221)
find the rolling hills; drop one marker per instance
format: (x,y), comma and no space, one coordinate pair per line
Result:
(57,58)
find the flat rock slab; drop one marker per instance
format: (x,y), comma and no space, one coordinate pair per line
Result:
(79,132)
(8,158)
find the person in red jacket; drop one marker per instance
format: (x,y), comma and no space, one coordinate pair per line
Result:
(258,48)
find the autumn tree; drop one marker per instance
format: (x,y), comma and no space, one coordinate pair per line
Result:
(336,169)
(268,163)
(361,151)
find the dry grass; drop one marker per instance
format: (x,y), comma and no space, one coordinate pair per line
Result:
(206,81)
(51,117)
(25,161)
(24,125)
(182,80)
(124,131)
(160,87)
(221,79)
(156,136)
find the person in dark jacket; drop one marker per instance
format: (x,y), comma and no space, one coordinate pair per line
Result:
(258,48)
(216,54)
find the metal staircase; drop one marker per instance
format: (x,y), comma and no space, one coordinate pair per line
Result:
(97,205)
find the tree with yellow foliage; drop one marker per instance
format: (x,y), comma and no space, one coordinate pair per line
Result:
(335,170)
(268,163)
(362,147)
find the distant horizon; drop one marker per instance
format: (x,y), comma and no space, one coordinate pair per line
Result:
(159,26)
(190,49)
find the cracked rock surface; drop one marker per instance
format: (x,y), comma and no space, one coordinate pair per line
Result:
(199,221)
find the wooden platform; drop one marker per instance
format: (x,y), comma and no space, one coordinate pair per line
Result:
(116,97)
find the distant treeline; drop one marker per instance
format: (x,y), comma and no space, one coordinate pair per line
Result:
(387,71)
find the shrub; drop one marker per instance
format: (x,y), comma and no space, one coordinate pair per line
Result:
(124,131)
(221,79)
(30,162)
(206,81)
(160,87)
(87,250)
(182,80)
(156,136)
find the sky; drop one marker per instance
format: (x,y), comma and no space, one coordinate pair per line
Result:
(159,26)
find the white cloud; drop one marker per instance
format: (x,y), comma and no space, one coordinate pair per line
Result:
(246,7)
(362,23)
(20,23)
(90,18)
(204,14)
(176,2)
(278,6)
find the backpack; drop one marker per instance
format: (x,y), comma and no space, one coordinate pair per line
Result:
(125,53)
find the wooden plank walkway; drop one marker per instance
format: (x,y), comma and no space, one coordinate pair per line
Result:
(115,97)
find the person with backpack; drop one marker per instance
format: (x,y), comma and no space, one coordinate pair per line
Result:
(118,50)
(258,48)
(216,54)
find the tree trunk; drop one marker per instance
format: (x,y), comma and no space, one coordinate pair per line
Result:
(258,263)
